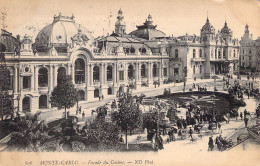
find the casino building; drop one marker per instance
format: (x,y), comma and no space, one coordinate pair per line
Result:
(211,53)
(101,66)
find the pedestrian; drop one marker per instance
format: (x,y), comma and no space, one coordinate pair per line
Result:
(102,97)
(241,115)
(121,139)
(236,114)
(245,113)
(219,128)
(190,132)
(80,110)
(99,98)
(160,142)
(246,122)
(211,143)
(228,117)
(83,116)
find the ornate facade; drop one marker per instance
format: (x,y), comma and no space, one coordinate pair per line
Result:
(203,56)
(249,52)
(98,67)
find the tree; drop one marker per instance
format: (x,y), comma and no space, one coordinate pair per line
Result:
(4,82)
(64,95)
(129,115)
(27,133)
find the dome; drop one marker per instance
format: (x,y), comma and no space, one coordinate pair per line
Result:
(8,43)
(148,31)
(207,28)
(60,32)
(226,30)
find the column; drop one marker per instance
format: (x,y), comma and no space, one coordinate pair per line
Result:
(91,74)
(139,71)
(148,73)
(114,73)
(160,72)
(50,78)
(86,75)
(105,74)
(73,73)
(136,72)
(15,79)
(32,80)
(35,78)
(55,81)
(101,76)
(69,69)
(125,73)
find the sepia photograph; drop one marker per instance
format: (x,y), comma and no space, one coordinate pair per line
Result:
(130,82)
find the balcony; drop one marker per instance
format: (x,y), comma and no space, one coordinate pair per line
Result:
(198,59)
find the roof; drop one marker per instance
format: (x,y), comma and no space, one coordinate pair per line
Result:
(148,31)
(60,31)
(148,34)
(8,42)
(208,28)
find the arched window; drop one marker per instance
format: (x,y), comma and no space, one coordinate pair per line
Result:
(154,70)
(26,104)
(176,53)
(219,55)
(109,73)
(224,54)
(81,95)
(61,71)
(130,71)
(96,93)
(96,74)
(143,70)
(109,91)
(43,101)
(43,77)
(79,71)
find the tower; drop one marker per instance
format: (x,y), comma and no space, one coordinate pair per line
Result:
(120,23)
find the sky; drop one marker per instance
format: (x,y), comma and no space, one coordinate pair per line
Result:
(173,17)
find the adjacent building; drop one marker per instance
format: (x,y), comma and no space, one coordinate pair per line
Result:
(249,52)
(204,56)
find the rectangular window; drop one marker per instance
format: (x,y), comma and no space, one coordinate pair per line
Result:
(26,82)
(176,53)
(109,91)
(165,72)
(194,53)
(176,71)
(121,75)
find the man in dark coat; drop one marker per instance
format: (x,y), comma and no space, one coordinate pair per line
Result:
(211,143)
